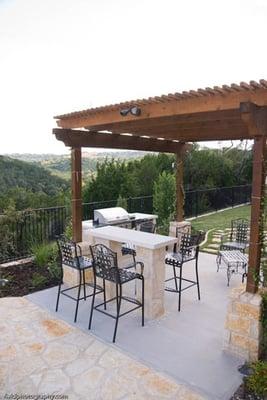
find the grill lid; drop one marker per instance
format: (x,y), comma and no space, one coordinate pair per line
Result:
(108,215)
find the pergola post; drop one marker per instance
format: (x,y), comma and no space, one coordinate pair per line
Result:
(179,226)
(256,120)
(76,193)
(179,187)
(258,183)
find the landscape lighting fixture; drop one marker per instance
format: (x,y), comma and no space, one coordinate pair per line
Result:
(134,110)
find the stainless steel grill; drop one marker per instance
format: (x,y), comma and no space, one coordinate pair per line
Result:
(110,216)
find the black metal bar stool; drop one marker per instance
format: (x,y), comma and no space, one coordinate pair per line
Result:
(105,266)
(70,255)
(129,248)
(238,239)
(189,250)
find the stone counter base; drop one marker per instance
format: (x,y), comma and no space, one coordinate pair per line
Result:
(243,327)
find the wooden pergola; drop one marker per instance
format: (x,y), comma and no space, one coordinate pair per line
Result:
(167,124)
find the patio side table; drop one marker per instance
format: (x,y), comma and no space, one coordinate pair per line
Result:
(234,260)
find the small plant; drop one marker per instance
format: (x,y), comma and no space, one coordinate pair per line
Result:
(264,323)
(257,381)
(68,229)
(46,257)
(38,280)
(42,254)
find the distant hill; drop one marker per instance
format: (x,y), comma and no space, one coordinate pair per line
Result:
(59,165)
(28,176)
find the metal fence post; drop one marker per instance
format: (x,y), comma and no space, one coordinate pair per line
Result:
(129,204)
(196,196)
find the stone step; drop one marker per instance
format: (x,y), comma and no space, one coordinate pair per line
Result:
(213,246)
(215,240)
(208,250)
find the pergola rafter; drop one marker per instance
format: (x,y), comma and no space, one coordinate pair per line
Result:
(164,124)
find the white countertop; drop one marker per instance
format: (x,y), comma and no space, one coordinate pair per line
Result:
(138,215)
(142,239)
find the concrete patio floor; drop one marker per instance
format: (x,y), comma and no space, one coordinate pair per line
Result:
(187,346)
(42,357)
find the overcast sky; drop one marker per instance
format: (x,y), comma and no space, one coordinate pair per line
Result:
(58,56)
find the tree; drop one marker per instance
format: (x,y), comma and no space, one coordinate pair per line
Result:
(164,196)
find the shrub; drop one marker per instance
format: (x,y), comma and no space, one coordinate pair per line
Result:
(164,197)
(38,280)
(42,254)
(257,382)
(46,256)
(68,229)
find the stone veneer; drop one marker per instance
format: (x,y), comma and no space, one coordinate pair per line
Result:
(243,327)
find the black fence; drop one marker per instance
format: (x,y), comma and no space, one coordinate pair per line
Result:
(199,202)
(19,232)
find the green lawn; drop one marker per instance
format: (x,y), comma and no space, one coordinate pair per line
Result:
(221,219)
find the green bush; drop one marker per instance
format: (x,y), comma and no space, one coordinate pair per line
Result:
(68,229)
(42,254)
(38,280)
(46,257)
(257,382)
(164,197)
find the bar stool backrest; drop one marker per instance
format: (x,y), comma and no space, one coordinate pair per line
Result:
(147,226)
(239,230)
(68,252)
(189,244)
(105,263)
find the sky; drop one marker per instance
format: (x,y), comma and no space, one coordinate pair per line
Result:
(58,56)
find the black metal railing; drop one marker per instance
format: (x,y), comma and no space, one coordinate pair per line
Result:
(203,201)
(29,227)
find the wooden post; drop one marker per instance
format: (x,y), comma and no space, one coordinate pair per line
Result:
(76,193)
(180,197)
(258,186)
(255,118)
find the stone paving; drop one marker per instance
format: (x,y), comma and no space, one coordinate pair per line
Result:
(213,245)
(43,355)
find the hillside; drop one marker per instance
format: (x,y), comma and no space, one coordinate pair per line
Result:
(26,185)
(59,165)
(16,173)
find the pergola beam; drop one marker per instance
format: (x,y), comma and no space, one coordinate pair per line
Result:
(188,135)
(79,138)
(181,121)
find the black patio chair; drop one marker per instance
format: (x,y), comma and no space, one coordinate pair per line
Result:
(238,239)
(70,254)
(105,266)
(129,248)
(188,251)
(147,226)
(195,232)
